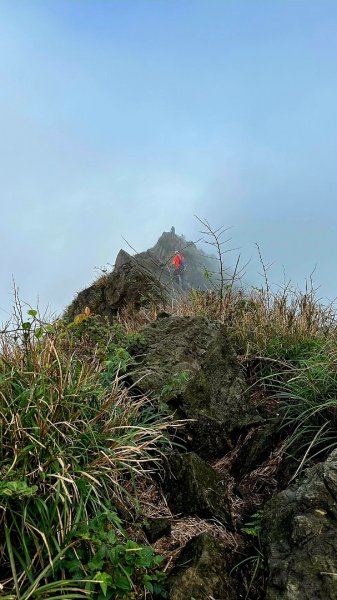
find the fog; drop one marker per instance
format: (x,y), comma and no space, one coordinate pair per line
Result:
(124,118)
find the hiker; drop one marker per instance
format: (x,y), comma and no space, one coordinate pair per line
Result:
(179,265)
(173,230)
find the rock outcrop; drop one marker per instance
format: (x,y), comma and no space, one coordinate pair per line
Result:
(300,537)
(194,488)
(201,571)
(145,277)
(190,363)
(129,284)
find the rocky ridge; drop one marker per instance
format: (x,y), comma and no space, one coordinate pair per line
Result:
(145,278)
(189,364)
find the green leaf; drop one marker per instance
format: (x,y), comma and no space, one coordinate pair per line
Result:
(38,332)
(96,563)
(73,565)
(104,580)
(148,586)
(32,312)
(145,558)
(123,583)
(20,489)
(26,326)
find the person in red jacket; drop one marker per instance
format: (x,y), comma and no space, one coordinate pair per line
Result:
(179,264)
(178,261)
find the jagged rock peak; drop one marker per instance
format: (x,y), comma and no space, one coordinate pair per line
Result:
(146,275)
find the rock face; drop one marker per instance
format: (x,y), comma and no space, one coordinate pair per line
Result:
(158,261)
(196,261)
(190,362)
(194,488)
(145,277)
(300,537)
(129,283)
(201,571)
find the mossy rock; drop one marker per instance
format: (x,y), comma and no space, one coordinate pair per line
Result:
(192,487)
(156,528)
(129,283)
(299,534)
(190,363)
(201,571)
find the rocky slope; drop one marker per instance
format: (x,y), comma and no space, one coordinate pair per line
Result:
(296,529)
(147,277)
(227,466)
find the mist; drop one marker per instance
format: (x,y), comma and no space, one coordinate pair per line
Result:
(125,118)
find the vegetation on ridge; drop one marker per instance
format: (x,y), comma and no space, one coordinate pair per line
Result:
(77,444)
(71,437)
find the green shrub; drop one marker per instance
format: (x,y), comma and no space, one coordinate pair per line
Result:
(72,442)
(122,568)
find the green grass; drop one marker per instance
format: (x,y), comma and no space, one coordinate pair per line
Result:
(308,404)
(73,440)
(287,341)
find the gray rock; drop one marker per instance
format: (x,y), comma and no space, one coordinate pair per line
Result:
(299,532)
(193,488)
(257,448)
(156,528)
(201,571)
(129,283)
(190,362)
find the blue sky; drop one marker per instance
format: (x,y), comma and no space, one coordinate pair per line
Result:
(123,117)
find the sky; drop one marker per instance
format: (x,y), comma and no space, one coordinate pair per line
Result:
(121,118)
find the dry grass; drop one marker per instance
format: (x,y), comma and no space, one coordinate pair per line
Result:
(259,318)
(133,320)
(71,437)
(183,529)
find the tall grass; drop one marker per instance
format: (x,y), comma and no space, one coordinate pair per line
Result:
(290,339)
(265,323)
(70,438)
(308,404)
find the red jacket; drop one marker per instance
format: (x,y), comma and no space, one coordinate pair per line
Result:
(177,260)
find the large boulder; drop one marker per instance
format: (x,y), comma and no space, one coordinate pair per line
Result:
(129,284)
(193,488)
(201,571)
(190,363)
(299,532)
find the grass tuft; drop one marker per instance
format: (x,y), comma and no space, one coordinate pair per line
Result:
(71,437)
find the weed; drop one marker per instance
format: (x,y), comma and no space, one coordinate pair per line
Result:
(71,437)
(122,568)
(174,386)
(255,562)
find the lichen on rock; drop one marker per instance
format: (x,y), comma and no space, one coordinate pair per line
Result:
(194,488)
(201,571)
(212,394)
(299,534)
